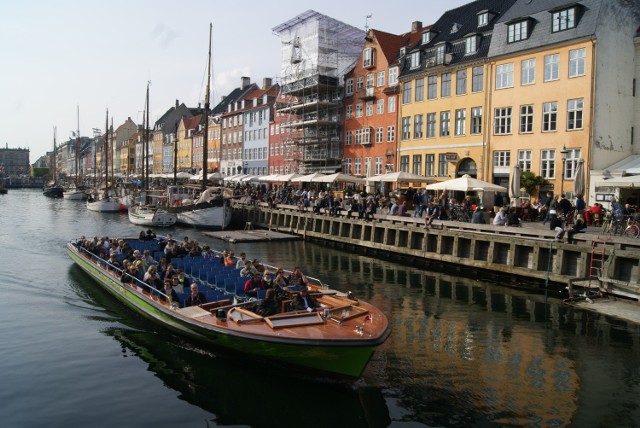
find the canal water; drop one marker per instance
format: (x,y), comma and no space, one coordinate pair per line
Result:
(462,352)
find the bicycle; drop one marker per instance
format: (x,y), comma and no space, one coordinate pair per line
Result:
(459,214)
(633,228)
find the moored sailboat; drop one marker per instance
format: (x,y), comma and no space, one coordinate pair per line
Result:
(53,189)
(76,192)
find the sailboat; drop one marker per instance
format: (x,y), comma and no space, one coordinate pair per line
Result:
(77,192)
(107,201)
(211,209)
(52,189)
(143,214)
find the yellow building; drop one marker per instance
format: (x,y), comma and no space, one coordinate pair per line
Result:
(444,83)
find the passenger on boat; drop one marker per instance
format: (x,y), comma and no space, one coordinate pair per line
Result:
(296,279)
(241,261)
(148,259)
(269,305)
(150,236)
(128,273)
(152,278)
(248,270)
(142,235)
(229,259)
(162,266)
(169,292)
(254,284)
(195,298)
(304,302)
(258,266)
(183,281)
(169,272)
(171,249)
(137,268)
(207,253)
(113,262)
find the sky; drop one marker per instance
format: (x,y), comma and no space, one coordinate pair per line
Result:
(58,58)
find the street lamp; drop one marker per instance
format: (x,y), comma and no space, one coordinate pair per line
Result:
(563,156)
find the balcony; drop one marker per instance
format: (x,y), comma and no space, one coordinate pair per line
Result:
(366,94)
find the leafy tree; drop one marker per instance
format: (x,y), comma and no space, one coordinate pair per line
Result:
(531,182)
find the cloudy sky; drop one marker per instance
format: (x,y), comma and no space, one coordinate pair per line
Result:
(58,55)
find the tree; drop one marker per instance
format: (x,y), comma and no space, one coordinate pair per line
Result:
(532,182)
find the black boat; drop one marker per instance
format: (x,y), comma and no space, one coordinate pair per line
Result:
(53,191)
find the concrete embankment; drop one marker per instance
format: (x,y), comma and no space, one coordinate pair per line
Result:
(528,252)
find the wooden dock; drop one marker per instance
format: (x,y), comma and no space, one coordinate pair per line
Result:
(252,235)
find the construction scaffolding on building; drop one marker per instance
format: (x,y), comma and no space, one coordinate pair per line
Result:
(316,51)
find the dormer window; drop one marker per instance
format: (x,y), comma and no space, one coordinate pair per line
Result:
(414,60)
(367,58)
(517,31)
(562,20)
(471,44)
(455,27)
(403,51)
(440,51)
(483,18)
(426,37)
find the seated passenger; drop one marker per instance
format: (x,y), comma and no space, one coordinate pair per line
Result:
(181,279)
(152,279)
(248,270)
(254,284)
(296,279)
(304,302)
(268,305)
(195,298)
(168,292)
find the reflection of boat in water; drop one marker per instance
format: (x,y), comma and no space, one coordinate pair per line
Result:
(339,339)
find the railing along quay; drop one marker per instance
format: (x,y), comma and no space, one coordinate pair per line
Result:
(527,252)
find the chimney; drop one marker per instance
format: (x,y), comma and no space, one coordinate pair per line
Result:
(266,82)
(416,26)
(246,81)
(177,104)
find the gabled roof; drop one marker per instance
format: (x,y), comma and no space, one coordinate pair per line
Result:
(235,95)
(170,120)
(390,44)
(192,122)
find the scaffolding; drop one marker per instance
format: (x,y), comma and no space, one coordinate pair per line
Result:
(316,50)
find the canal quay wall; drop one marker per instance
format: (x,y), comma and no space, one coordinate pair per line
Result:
(528,253)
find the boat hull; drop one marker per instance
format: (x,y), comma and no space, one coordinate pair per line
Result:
(145,216)
(334,357)
(210,217)
(75,195)
(106,205)
(53,192)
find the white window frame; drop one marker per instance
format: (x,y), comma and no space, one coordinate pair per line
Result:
(476,120)
(461,121)
(518,31)
(348,86)
(368,58)
(528,71)
(393,76)
(571,163)
(380,78)
(391,133)
(502,121)
(391,104)
(548,163)
(379,134)
(359,107)
(526,119)
(471,45)
(445,123)
(575,114)
(551,67)
(349,112)
(369,108)
(550,116)
(380,106)
(524,160)
(563,20)
(504,76)
(417,126)
(501,158)
(577,62)
(414,60)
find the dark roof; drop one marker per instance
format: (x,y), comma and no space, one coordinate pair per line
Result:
(235,95)
(169,121)
(465,20)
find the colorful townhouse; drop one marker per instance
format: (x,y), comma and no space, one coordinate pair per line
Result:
(259,105)
(164,136)
(563,90)
(371,104)
(186,129)
(443,99)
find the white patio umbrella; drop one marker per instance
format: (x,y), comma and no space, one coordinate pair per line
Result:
(579,183)
(465,184)
(514,185)
(631,181)
(268,178)
(183,174)
(338,177)
(249,177)
(234,177)
(289,177)
(309,177)
(400,176)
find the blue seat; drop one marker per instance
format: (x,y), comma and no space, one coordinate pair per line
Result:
(262,294)
(230,285)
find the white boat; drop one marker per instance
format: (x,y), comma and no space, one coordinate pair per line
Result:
(211,210)
(75,194)
(144,215)
(106,204)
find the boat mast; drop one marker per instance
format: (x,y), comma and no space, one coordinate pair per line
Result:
(78,148)
(205,147)
(145,147)
(106,155)
(53,162)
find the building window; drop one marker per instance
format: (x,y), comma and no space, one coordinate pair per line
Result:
(524,160)
(406,92)
(461,121)
(576,62)
(445,85)
(504,76)
(380,80)
(477,79)
(548,164)
(420,89)
(461,82)
(370,78)
(476,120)
(431,125)
(432,87)
(574,114)
(357,166)
(359,110)
(426,37)
(551,67)
(517,31)
(391,105)
(417,126)
(379,134)
(528,74)
(380,106)
(349,138)
(391,134)
(404,163)
(347,165)
(443,165)
(406,128)
(417,164)
(414,60)
(571,163)
(393,76)
(445,123)
(378,169)
(502,121)
(483,19)
(349,112)
(501,158)
(471,45)
(440,51)
(349,86)
(369,108)
(359,83)
(367,58)
(526,119)
(429,164)
(549,116)
(563,20)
